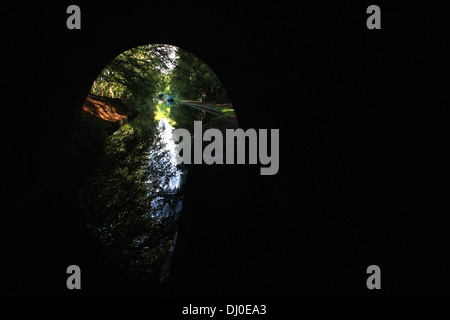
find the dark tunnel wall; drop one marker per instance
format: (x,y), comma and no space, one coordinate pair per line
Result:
(363,132)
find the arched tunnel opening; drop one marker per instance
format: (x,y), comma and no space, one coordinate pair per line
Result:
(132,191)
(361,121)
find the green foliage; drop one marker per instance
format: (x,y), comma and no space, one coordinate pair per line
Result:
(193,79)
(134,74)
(142,71)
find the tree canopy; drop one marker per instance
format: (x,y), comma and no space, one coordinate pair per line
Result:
(193,79)
(135,73)
(141,71)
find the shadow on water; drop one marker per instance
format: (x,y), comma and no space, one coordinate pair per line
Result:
(133,197)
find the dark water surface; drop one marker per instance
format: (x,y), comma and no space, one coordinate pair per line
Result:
(133,198)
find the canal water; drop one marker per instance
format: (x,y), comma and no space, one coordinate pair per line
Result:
(133,199)
(163,157)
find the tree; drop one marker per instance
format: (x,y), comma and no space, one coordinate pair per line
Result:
(135,74)
(193,79)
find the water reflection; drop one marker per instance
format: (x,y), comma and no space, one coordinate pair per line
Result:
(164,149)
(134,196)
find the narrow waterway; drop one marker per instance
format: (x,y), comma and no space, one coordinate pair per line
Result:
(134,197)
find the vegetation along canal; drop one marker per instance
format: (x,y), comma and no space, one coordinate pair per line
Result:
(133,196)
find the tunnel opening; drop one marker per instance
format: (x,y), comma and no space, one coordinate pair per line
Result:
(132,192)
